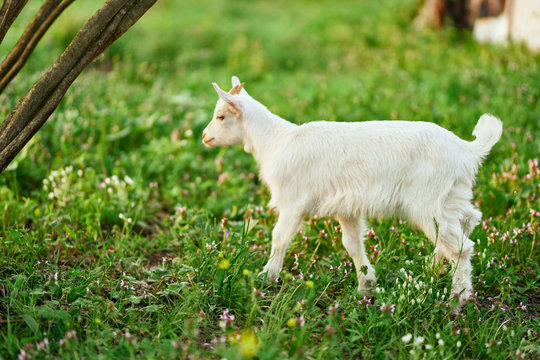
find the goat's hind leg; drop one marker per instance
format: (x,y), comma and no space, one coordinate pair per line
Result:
(449,237)
(457,248)
(471,218)
(353,241)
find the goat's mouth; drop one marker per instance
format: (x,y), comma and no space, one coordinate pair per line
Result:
(208,142)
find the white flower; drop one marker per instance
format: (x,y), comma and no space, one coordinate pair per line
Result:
(418,340)
(129,180)
(406,338)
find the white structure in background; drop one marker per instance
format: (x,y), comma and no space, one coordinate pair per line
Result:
(520,21)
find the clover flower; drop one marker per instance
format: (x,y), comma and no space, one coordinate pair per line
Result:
(388,308)
(226,319)
(406,338)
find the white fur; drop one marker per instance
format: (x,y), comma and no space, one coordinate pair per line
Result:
(353,170)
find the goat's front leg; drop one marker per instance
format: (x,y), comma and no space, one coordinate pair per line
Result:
(353,241)
(285,229)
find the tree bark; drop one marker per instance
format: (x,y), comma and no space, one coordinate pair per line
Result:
(8,13)
(17,57)
(35,107)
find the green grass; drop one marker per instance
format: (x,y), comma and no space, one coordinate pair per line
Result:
(112,238)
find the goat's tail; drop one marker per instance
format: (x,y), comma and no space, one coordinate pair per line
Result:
(487,131)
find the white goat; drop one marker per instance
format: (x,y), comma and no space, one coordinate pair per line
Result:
(350,171)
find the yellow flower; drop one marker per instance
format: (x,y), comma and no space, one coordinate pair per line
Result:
(233,337)
(37,212)
(246,272)
(291,322)
(249,343)
(310,284)
(224,264)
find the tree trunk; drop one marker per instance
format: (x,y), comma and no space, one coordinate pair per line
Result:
(35,107)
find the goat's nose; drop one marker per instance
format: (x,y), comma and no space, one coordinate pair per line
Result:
(204,134)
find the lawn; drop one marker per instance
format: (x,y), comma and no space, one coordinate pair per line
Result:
(121,236)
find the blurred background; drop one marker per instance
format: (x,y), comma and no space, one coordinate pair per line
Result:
(140,108)
(117,187)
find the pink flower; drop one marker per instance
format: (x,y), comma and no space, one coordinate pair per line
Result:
(222,178)
(371,234)
(388,308)
(224,222)
(301,321)
(226,319)
(333,309)
(374,250)
(258,293)
(365,301)
(329,330)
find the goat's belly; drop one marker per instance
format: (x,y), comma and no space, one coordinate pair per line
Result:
(380,199)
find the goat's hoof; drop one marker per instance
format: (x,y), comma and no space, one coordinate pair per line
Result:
(367,282)
(365,291)
(458,305)
(462,295)
(268,275)
(366,286)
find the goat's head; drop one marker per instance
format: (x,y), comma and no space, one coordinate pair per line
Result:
(226,125)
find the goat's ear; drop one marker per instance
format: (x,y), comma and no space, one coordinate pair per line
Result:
(235,81)
(237,84)
(228,98)
(237,89)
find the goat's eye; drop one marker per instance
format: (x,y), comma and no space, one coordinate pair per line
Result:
(220,117)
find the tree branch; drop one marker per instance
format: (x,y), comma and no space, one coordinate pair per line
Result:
(17,57)
(33,110)
(8,13)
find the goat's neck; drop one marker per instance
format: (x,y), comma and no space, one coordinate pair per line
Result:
(263,130)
